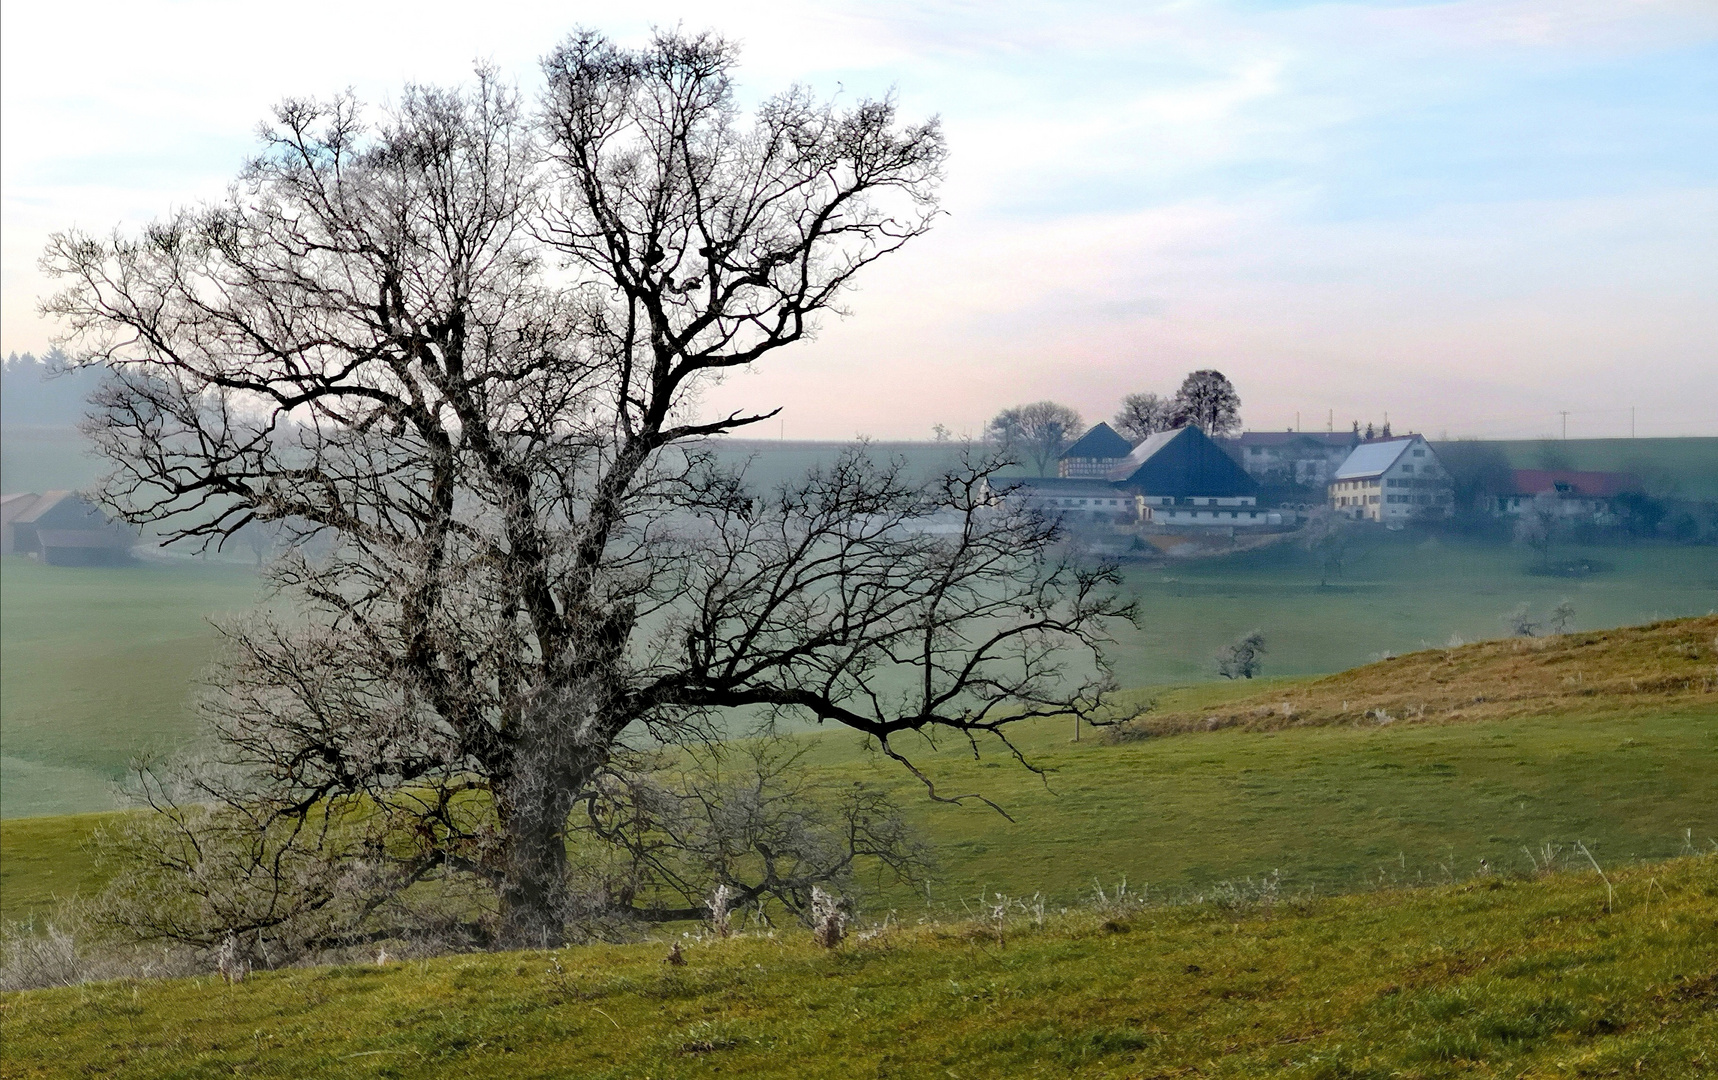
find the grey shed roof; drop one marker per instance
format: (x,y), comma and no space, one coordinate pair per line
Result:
(1100,442)
(1373,458)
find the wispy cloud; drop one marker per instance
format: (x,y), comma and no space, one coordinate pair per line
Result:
(1453,211)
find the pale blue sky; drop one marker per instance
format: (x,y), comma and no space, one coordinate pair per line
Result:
(1469,215)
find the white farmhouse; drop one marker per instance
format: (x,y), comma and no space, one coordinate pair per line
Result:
(1392,481)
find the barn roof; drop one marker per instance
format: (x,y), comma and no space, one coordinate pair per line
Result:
(1101,442)
(15,505)
(41,506)
(1180,463)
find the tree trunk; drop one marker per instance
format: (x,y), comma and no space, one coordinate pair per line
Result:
(534,869)
(533,804)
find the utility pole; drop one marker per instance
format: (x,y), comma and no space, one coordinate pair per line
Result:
(1565,415)
(1330,421)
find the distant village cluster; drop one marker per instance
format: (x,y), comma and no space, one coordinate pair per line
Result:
(1180,478)
(1165,466)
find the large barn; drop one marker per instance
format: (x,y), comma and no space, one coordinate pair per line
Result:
(1183,467)
(1175,478)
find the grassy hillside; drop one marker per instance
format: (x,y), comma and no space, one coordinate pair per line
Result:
(1496,977)
(1685,467)
(1663,664)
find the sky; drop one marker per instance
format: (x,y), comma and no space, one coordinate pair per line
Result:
(1490,218)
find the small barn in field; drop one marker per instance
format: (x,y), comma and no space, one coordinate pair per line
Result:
(62,528)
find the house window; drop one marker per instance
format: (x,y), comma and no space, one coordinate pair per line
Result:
(1407,468)
(1419,453)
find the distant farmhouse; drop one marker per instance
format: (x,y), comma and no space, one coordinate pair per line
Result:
(1174,478)
(1572,495)
(1306,458)
(1393,481)
(62,528)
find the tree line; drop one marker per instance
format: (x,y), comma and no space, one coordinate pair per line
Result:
(1042,430)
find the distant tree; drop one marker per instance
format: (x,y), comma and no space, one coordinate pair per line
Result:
(1561,616)
(1554,455)
(1240,660)
(1039,432)
(1477,470)
(940,432)
(1640,514)
(45,391)
(1208,399)
(1536,528)
(1326,535)
(1143,415)
(1521,622)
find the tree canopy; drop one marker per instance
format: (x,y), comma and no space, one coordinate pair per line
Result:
(453,351)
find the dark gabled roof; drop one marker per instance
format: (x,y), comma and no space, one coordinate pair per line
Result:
(1100,442)
(1180,463)
(1593,485)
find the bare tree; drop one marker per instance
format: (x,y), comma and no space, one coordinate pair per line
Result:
(1143,415)
(1561,616)
(1537,526)
(1521,622)
(746,821)
(1327,536)
(1241,658)
(1039,432)
(1208,399)
(461,349)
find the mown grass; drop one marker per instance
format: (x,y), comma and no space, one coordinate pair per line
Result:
(1623,759)
(45,860)
(1493,977)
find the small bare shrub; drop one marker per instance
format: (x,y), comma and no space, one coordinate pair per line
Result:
(1241,659)
(721,918)
(828,918)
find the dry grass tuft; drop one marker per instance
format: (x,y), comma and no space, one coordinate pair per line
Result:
(1665,662)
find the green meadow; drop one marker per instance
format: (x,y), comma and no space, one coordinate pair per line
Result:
(1319,809)
(101,663)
